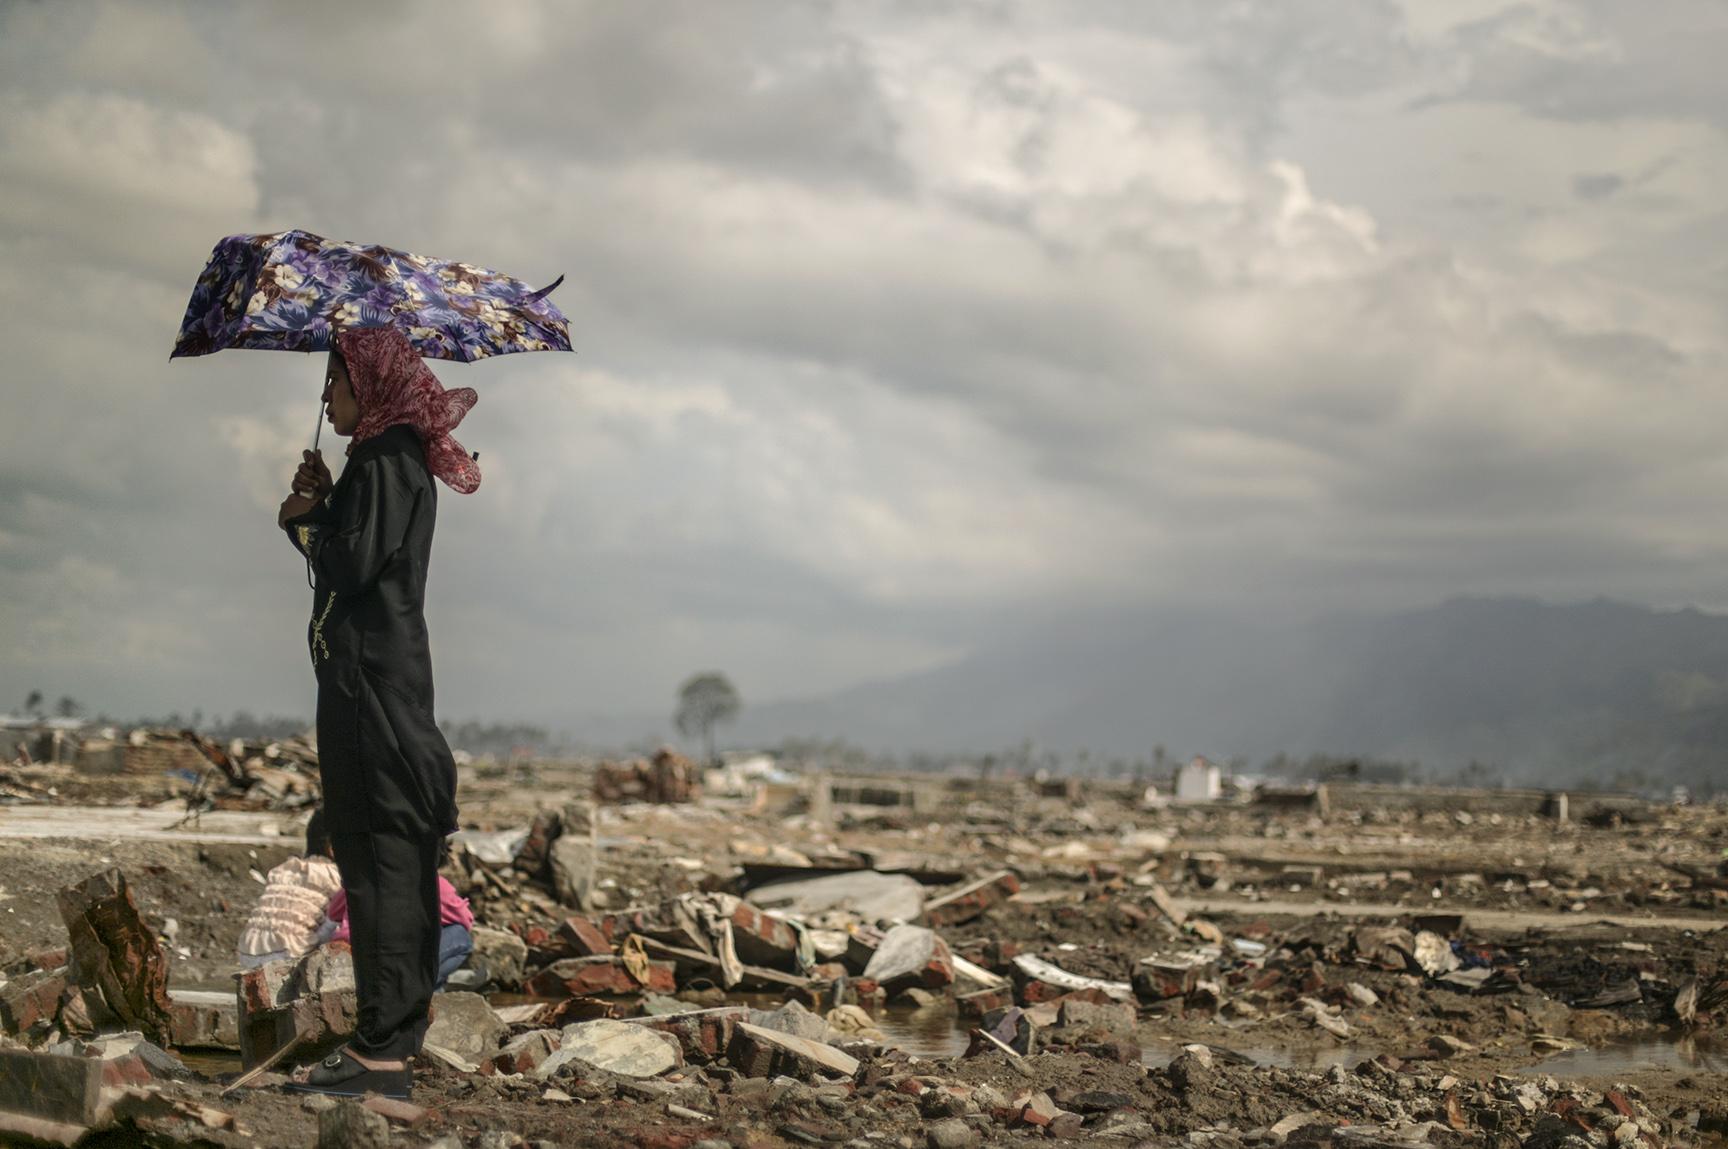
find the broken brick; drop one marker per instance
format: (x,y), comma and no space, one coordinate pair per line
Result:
(702,1034)
(203,1018)
(30,999)
(584,937)
(1158,982)
(1038,1110)
(127,1069)
(974,1006)
(526,1051)
(1065,1127)
(971,901)
(759,1052)
(998,956)
(587,976)
(762,938)
(54,1088)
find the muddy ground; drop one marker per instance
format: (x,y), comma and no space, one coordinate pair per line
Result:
(1562,914)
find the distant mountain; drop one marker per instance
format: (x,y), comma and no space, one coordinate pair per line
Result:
(1600,691)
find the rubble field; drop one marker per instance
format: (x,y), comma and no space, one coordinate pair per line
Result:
(670,960)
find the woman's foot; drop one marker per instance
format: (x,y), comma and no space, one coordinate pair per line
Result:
(300,1074)
(347,1073)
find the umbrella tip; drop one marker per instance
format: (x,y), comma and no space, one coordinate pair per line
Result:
(547,290)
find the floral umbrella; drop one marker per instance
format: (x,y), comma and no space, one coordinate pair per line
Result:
(293,290)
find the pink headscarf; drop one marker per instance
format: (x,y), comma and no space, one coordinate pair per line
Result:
(393,385)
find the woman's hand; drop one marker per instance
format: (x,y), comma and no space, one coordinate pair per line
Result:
(313,478)
(311,483)
(292,508)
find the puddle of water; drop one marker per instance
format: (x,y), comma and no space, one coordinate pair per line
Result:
(1684,1053)
(928,1033)
(210,1062)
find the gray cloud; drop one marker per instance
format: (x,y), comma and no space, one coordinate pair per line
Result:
(896,323)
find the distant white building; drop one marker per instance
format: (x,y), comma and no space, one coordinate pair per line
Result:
(1199,781)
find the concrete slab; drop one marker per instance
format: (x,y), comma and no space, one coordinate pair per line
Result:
(871,895)
(160,824)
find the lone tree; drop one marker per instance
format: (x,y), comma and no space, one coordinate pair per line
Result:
(703,703)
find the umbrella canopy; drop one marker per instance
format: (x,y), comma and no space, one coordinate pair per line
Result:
(292,291)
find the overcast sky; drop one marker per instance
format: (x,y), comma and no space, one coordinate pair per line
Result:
(898,324)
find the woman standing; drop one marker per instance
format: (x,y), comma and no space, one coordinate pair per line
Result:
(389,780)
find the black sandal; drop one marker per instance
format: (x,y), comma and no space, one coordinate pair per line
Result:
(342,1076)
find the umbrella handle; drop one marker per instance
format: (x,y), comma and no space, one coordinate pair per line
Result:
(318,428)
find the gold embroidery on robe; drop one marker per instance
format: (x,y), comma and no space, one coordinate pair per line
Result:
(318,629)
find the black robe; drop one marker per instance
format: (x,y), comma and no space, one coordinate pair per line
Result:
(385,765)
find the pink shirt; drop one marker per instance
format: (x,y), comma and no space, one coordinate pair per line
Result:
(452,910)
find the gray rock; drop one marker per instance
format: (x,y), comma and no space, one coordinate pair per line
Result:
(646,1089)
(351,1125)
(799,1022)
(1099,1101)
(790,1093)
(161,1064)
(1087,1014)
(691,1095)
(504,955)
(317,1102)
(951,1134)
(464,1024)
(905,951)
(1190,1070)
(615,1046)
(1551,1132)
(941,1103)
(326,970)
(573,854)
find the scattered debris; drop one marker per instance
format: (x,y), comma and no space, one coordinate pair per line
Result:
(117,956)
(1055,961)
